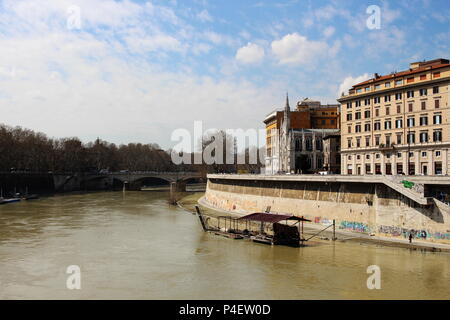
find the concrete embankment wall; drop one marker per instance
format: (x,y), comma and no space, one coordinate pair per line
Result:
(371,208)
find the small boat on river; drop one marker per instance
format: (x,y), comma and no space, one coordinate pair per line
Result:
(11,200)
(240,228)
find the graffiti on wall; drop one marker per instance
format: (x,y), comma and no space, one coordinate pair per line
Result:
(323,221)
(354,226)
(417,234)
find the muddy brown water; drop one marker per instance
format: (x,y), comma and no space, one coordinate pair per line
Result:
(136,246)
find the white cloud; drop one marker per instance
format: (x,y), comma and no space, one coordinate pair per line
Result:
(297,49)
(106,81)
(329,31)
(204,16)
(218,38)
(350,81)
(251,53)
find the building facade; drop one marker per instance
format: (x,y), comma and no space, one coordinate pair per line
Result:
(398,123)
(295,139)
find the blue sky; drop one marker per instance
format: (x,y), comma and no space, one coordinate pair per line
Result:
(137,70)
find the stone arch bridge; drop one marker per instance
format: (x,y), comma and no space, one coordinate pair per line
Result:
(128,180)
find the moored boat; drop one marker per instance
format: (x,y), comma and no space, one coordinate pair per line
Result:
(5,201)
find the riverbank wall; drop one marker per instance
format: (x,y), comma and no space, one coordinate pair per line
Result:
(371,206)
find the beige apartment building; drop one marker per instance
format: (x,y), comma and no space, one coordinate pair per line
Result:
(398,123)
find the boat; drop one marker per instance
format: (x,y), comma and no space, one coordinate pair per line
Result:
(283,233)
(5,201)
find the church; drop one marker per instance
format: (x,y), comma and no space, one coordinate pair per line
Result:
(303,141)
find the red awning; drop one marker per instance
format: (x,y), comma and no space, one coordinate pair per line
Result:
(270,217)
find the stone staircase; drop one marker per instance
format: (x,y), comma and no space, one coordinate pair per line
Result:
(416,193)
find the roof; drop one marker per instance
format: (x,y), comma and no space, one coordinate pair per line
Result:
(270,217)
(402,73)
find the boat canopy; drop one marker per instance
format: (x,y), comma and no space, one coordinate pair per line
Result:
(271,217)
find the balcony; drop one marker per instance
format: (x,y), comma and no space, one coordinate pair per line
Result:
(386,147)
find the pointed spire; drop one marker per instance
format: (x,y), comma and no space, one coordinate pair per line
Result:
(287,101)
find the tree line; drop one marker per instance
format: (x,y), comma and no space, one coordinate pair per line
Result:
(26,150)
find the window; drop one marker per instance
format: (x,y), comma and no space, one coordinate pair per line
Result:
(377,126)
(435,90)
(349,105)
(411,122)
(387,98)
(377,156)
(410,94)
(349,116)
(423,77)
(424,137)
(387,85)
(387,111)
(423,120)
(367,114)
(377,100)
(437,136)
(387,125)
(398,96)
(323,121)
(399,154)
(377,140)
(437,119)
(358,144)
(332,121)
(359,90)
(398,82)
(367,145)
(411,137)
(388,140)
(423,92)
(358,103)
(436,104)
(438,168)
(377,86)
(410,107)
(399,109)
(367,102)
(438,153)
(358,128)
(399,139)
(377,112)
(367,89)
(423,105)
(349,129)
(410,80)
(424,153)
(399,123)
(349,144)
(367,127)
(357,115)
(436,74)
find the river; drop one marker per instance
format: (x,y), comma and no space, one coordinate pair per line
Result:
(134,245)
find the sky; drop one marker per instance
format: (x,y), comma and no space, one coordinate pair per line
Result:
(135,71)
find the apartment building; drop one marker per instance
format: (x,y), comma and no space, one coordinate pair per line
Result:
(398,123)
